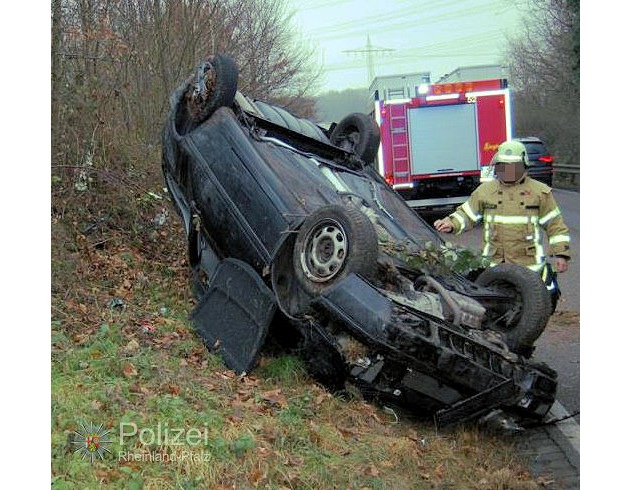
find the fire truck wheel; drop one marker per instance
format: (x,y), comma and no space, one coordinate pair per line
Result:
(358,133)
(522,320)
(332,243)
(212,86)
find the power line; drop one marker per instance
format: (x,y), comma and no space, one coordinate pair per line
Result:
(417,16)
(395,61)
(446,16)
(475,47)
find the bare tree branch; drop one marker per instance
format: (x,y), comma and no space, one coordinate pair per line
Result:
(544,66)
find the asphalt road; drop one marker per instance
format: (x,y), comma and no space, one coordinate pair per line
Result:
(559,345)
(569,202)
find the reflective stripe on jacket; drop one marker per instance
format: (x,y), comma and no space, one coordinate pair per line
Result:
(513,217)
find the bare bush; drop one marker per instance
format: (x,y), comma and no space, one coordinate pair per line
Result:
(115,63)
(545,73)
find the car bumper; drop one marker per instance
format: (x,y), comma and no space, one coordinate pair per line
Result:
(456,375)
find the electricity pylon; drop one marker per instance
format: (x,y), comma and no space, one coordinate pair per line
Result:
(368,51)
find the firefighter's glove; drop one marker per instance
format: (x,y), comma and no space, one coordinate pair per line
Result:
(562,264)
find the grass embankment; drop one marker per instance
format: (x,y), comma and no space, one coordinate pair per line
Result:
(124,355)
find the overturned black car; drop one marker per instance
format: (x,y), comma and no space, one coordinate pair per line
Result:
(286,218)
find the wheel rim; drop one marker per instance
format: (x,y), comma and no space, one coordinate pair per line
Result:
(325,251)
(509,316)
(349,139)
(199,95)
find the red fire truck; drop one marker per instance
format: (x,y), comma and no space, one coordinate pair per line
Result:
(436,146)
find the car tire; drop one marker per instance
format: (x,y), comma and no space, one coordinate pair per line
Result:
(332,243)
(527,319)
(359,134)
(219,75)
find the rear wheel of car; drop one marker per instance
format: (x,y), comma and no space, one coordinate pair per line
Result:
(332,243)
(213,86)
(357,133)
(524,319)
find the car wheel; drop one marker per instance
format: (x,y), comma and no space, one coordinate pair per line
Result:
(357,133)
(213,86)
(332,243)
(526,316)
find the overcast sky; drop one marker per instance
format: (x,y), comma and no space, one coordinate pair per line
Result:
(419,35)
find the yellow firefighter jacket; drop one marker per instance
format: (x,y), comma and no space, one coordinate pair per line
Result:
(513,216)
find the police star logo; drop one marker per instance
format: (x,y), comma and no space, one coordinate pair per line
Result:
(92,441)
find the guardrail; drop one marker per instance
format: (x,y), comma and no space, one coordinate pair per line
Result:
(566,176)
(567,169)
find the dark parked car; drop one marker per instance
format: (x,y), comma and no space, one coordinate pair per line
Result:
(540,160)
(287,223)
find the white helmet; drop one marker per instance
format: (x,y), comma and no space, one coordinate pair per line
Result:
(511,152)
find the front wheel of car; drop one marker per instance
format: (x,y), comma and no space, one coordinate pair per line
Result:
(333,242)
(523,319)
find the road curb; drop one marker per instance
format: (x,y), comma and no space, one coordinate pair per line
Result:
(565,433)
(551,450)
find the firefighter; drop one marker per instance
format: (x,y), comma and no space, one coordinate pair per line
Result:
(514,209)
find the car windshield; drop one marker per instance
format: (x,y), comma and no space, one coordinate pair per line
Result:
(406,219)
